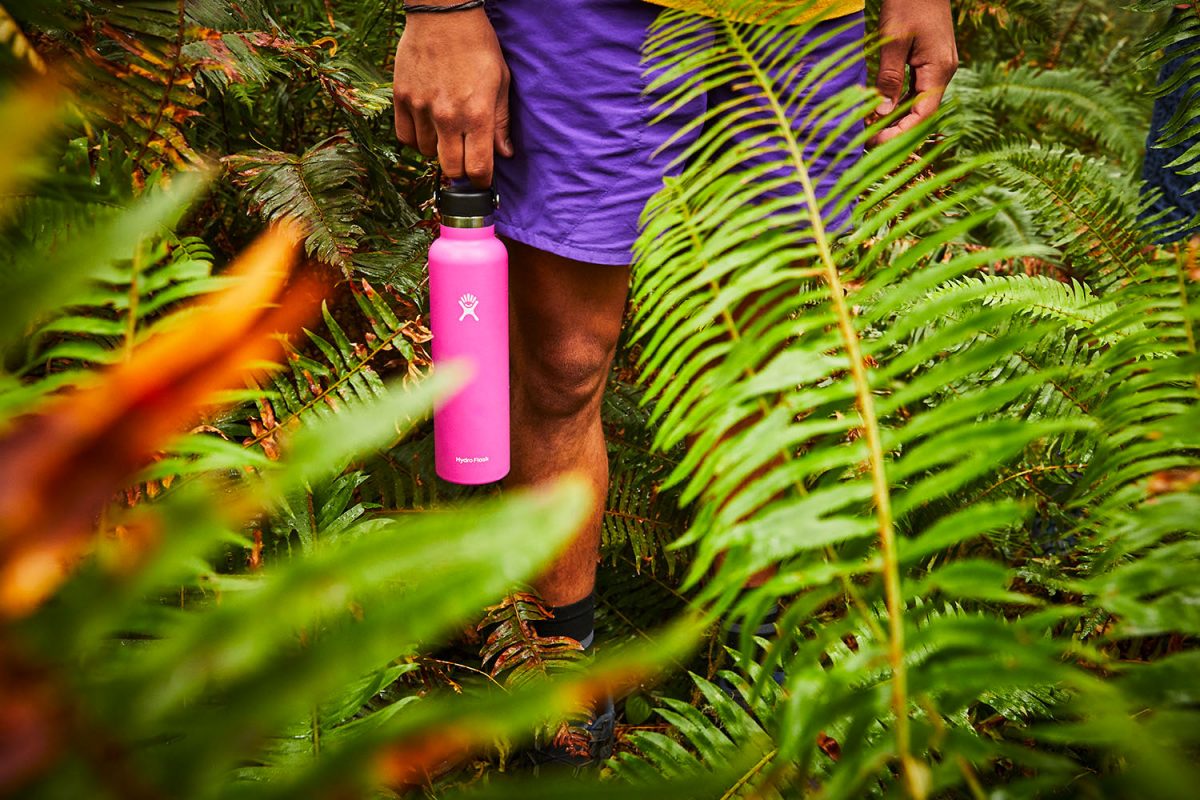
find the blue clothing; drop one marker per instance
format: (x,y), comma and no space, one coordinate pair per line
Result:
(1182,208)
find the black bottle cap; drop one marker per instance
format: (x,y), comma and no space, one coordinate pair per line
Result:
(466,202)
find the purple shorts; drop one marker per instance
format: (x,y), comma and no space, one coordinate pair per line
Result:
(586,158)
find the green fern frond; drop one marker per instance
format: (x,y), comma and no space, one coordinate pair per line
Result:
(710,745)
(103,323)
(1081,207)
(321,189)
(640,518)
(399,264)
(635,518)
(819,419)
(1178,43)
(1038,296)
(345,375)
(1022,100)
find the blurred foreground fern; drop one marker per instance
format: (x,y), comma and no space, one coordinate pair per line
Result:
(129,665)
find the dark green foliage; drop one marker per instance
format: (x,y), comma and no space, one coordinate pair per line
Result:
(320,188)
(732,736)
(642,518)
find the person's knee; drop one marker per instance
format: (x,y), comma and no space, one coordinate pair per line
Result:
(565,378)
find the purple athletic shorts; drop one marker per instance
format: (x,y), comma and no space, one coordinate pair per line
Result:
(585,158)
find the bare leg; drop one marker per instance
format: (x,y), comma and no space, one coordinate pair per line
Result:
(565,320)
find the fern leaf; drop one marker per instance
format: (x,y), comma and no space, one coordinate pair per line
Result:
(818,421)
(1025,99)
(513,649)
(1081,207)
(347,375)
(733,737)
(320,189)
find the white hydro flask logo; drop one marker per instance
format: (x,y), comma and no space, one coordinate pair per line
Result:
(467,303)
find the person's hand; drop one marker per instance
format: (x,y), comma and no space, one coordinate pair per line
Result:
(917,34)
(451,92)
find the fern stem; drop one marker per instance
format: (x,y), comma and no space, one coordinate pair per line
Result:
(1035,470)
(466,667)
(1182,267)
(852,595)
(641,520)
(754,770)
(1057,386)
(1061,41)
(870,422)
(315,737)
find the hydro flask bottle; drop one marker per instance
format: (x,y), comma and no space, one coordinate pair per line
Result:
(468,307)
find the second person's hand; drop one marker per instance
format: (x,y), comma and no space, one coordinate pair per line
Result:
(451,92)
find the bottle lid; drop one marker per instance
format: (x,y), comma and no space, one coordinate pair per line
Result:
(466,207)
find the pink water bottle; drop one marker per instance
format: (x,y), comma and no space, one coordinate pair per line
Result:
(468,308)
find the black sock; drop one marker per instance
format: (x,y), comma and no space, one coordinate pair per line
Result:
(576,620)
(766,628)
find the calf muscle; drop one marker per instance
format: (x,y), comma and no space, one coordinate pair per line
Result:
(565,321)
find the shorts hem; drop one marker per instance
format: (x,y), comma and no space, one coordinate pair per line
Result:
(591,255)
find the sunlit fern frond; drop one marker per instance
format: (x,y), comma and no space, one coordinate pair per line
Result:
(104,323)
(819,435)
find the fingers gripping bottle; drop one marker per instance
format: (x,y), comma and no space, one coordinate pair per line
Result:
(468,305)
